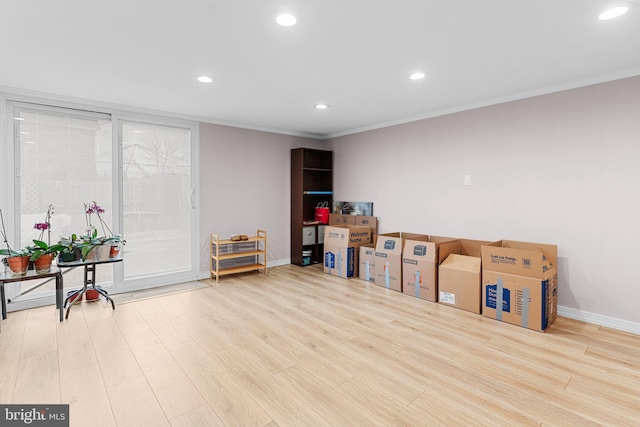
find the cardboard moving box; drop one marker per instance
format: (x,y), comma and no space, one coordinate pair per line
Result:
(367,265)
(369,221)
(519,258)
(388,258)
(341,219)
(341,249)
(520,300)
(460,276)
(459,282)
(420,261)
(519,283)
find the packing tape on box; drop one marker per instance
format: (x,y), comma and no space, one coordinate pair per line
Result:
(340,263)
(367,273)
(386,274)
(416,282)
(525,307)
(499,299)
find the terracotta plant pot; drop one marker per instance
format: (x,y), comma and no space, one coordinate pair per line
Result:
(114,251)
(91,295)
(18,265)
(43,264)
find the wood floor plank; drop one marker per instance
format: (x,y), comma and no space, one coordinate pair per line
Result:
(129,319)
(627,401)
(159,320)
(335,409)
(38,379)
(39,333)
(171,386)
(485,397)
(134,404)
(228,400)
(10,349)
(202,416)
(383,407)
(84,390)
(289,343)
(115,358)
(74,344)
(300,347)
(382,376)
(268,391)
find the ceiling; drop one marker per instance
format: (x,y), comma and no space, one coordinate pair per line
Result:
(354,55)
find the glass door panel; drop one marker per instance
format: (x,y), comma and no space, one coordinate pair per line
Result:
(157,207)
(65,162)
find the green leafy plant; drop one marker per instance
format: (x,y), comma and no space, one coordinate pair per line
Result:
(42,248)
(88,242)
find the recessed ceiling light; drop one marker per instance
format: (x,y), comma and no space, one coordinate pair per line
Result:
(286,19)
(137,131)
(616,11)
(322,106)
(417,75)
(30,142)
(205,79)
(18,118)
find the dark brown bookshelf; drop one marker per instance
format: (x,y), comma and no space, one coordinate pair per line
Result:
(311,184)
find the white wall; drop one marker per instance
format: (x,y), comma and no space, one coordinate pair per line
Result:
(562,168)
(245,180)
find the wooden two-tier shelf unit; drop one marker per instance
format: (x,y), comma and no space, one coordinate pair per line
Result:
(231,256)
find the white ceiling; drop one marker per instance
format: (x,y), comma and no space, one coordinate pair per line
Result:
(355,55)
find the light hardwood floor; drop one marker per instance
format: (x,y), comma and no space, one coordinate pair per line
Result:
(299,347)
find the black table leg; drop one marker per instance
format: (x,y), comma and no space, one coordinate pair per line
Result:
(59,291)
(4,301)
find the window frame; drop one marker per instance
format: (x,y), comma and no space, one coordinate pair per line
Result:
(9,192)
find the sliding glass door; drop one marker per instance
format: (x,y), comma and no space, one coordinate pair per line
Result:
(157,204)
(139,172)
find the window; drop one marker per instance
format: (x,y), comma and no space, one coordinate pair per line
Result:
(156,198)
(139,172)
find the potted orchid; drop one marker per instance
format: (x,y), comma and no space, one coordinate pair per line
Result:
(70,248)
(107,246)
(43,253)
(16,260)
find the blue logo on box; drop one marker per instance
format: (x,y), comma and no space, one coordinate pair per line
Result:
(420,250)
(491,298)
(389,244)
(330,260)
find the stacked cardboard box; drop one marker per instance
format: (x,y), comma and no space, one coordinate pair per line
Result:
(341,248)
(340,219)
(369,221)
(460,277)
(519,283)
(420,260)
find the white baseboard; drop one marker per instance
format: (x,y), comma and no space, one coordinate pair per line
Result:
(599,319)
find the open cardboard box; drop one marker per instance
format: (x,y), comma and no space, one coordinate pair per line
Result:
(460,276)
(519,283)
(420,262)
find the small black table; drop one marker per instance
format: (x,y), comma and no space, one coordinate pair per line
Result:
(32,275)
(89,280)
